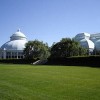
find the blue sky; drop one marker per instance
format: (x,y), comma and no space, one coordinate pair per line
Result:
(48,20)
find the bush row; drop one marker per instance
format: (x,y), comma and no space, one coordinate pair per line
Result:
(76,61)
(93,61)
(17,61)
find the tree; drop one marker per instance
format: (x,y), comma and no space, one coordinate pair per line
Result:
(66,48)
(36,50)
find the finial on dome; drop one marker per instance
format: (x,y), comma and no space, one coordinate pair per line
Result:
(18,30)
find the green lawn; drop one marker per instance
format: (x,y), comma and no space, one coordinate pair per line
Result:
(30,82)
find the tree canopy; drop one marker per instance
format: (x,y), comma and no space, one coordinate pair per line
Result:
(36,50)
(66,48)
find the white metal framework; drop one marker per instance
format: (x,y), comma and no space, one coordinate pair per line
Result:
(14,48)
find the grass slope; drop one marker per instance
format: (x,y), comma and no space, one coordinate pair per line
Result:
(28,82)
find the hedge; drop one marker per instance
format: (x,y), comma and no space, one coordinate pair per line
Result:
(76,61)
(17,61)
(93,61)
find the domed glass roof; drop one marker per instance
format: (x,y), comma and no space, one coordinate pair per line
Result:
(87,43)
(97,45)
(81,36)
(18,36)
(14,45)
(17,42)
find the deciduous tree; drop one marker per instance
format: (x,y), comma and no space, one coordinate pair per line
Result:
(66,48)
(36,50)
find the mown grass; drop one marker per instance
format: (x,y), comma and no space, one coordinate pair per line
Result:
(28,82)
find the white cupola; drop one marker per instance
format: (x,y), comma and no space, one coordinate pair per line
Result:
(18,36)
